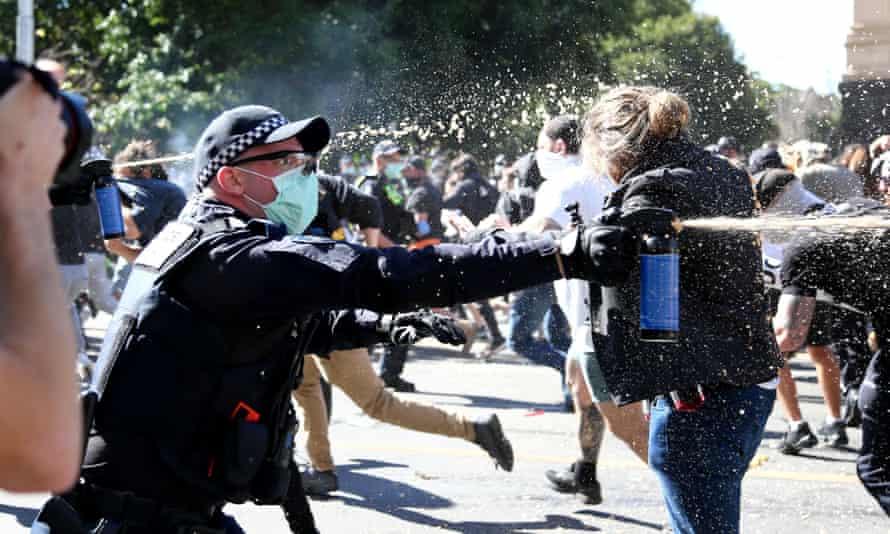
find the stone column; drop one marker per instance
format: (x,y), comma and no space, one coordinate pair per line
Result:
(865,89)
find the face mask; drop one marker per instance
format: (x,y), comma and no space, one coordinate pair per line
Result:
(393,171)
(552,165)
(297,201)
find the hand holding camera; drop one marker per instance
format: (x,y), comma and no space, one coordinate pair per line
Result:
(32,144)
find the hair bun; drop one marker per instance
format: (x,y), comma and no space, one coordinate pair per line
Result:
(668,115)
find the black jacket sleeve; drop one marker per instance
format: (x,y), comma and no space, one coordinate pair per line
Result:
(351,203)
(346,329)
(258,278)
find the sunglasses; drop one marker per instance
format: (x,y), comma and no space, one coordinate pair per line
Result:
(285,159)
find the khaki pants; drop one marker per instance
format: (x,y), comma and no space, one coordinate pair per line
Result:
(351,371)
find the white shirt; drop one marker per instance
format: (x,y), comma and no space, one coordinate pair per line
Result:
(576,184)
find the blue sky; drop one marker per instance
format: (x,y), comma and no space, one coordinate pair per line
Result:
(795,42)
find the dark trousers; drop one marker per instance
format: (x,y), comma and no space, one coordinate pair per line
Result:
(491,322)
(873,464)
(393,362)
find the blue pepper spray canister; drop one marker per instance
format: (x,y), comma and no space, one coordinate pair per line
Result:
(108,200)
(659,288)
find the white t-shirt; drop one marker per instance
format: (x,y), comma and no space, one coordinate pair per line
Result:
(589,191)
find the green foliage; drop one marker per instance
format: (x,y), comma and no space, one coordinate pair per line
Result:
(692,55)
(478,75)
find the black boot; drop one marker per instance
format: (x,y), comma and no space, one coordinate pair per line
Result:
(585,481)
(490,436)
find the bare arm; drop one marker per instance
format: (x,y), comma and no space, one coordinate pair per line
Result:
(536,225)
(41,422)
(792,321)
(372,237)
(119,247)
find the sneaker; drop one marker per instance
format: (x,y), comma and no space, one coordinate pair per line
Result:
(490,436)
(398,384)
(319,483)
(834,434)
(797,439)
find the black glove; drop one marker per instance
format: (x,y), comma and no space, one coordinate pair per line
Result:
(601,254)
(409,328)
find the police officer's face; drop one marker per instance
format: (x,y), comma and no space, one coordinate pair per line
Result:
(262,190)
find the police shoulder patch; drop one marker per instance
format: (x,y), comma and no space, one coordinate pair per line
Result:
(165,245)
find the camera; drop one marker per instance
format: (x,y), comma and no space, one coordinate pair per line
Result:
(70,185)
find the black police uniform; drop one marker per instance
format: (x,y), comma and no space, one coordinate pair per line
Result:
(855,270)
(196,412)
(399,227)
(398,223)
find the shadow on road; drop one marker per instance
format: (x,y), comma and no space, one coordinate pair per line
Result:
(623,519)
(25,516)
(401,501)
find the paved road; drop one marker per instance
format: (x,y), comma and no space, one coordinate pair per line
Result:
(396,481)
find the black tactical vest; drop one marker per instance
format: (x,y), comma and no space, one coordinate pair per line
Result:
(217,412)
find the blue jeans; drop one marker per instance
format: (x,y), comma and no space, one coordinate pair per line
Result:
(530,308)
(701,457)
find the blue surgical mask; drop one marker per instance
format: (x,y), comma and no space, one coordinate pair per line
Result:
(393,171)
(297,201)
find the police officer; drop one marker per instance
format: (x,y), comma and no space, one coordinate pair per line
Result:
(388,188)
(854,268)
(227,300)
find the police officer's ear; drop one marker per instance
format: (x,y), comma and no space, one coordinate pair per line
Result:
(230,181)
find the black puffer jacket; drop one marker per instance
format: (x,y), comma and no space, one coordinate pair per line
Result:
(724,332)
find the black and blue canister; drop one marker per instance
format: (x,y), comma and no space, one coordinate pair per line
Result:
(659,289)
(108,200)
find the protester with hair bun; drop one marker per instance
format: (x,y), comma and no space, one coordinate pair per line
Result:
(637,135)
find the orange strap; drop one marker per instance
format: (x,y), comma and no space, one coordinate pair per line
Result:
(423,243)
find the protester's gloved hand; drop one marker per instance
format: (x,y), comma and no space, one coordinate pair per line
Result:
(409,328)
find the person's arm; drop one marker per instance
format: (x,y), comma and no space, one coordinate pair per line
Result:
(41,419)
(792,321)
(306,276)
(131,231)
(549,212)
(350,329)
(804,269)
(456,198)
(372,237)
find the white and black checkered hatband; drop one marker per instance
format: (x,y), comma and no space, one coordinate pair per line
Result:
(238,146)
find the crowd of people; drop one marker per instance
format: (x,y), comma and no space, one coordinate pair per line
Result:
(276,279)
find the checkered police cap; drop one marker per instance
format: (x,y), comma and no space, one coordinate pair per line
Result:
(241,128)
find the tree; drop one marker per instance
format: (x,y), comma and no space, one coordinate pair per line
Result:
(692,55)
(477,75)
